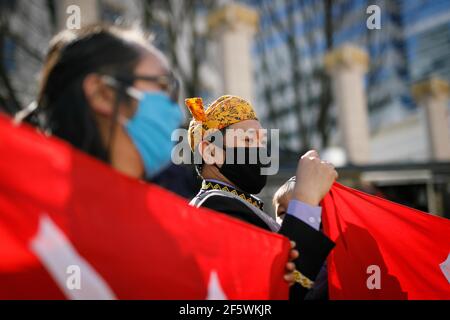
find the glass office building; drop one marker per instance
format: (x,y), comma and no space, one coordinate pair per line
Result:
(412,44)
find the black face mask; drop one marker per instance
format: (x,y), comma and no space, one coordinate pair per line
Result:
(246,176)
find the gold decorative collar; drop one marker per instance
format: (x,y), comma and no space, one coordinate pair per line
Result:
(213,185)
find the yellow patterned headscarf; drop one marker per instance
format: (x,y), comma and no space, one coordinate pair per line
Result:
(223,112)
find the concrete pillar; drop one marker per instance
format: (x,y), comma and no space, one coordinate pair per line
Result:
(89,12)
(232,27)
(433,95)
(347,66)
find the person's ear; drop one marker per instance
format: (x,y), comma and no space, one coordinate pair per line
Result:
(99,96)
(208,152)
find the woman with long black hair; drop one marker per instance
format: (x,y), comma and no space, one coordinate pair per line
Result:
(110,93)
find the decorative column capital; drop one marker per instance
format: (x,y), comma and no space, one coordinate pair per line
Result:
(234,14)
(347,56)
(434,87)
(432,95)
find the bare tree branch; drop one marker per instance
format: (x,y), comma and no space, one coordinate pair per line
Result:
(184,15)
(323,119)
(294,59)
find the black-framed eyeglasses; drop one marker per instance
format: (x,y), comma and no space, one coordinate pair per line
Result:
(168,82)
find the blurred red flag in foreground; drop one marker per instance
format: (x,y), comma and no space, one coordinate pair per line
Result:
(70,227)
(384,250)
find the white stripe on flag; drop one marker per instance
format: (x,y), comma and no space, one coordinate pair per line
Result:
(57,254)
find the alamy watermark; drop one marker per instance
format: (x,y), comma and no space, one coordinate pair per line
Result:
(373,22)
(73,21)
(263,147)
(373,281)
(73,281)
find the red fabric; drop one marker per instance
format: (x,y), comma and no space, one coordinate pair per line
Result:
(144,242)
(407,245)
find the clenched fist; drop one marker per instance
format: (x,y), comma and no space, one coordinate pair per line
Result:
(314,178)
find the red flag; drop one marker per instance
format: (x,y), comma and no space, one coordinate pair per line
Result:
(384,250)
(71,227)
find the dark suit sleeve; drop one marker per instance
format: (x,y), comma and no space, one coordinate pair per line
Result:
(320,289)
(313,247)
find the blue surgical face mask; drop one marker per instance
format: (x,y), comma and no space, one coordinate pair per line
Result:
(151,127)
